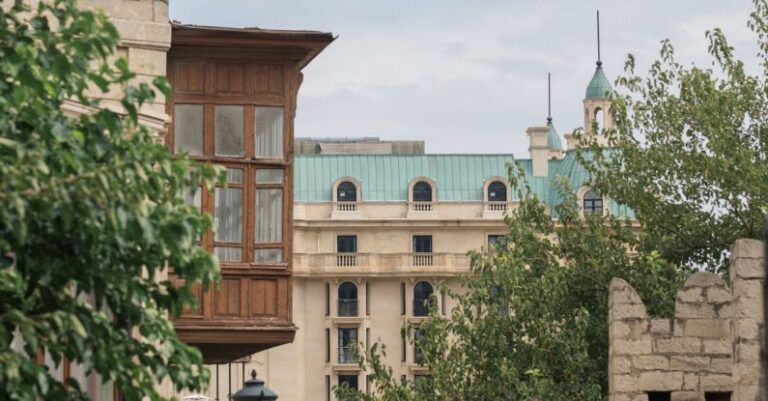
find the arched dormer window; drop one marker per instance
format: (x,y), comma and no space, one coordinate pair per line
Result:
(347,299)
(422,192)
(497,192)
(592,203)
(346,192)
(422,293)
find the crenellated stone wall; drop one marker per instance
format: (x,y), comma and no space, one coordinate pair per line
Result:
(711,344)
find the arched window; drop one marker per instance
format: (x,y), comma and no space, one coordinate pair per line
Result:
(347,299)
(346,192)
(599,120)
(593,202)
(421,298)
(422,192)
(497,192)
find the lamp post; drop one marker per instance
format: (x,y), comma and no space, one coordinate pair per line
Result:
(254,390)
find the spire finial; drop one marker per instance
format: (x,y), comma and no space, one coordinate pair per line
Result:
(599,61)
(549,97)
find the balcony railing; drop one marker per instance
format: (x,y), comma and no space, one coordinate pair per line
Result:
(346,356)
(496,206)
(347,307)
(422,206)
(346,206)
(380,263)
(423,259)
(346,259)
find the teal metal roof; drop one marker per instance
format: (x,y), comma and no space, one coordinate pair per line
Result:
(599,86)
(458,177)
(553,139)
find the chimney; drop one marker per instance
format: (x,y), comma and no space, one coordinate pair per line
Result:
(539,150)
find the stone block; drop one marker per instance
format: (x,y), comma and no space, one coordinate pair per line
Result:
(746,329)
(748,268)
(750,248)
(718,347)
(624,383)
(747,290)
(710,328)
(690,381)
(161,10)
(684,396)
(147,62)
(689,363)
(694,310)
(703,279)
(619,329)
(718,295)
(620,292)
(627,311)
(746,352)
(640,397)
(691,295)
(660,381)
(715,381)
(678,345)
(650,362)
(620,397)
(620,365)
(721,365)
(661,327)
(631,347)
(748,309)
(725,311)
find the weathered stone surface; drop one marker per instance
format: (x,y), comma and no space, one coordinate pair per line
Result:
(660,381)
(721,365)
(650,362)
(632,347)
(747,329)
(621,292)
(750,248)
(619,329)
(718,347)
(678,345)
(620,365)
(703,279)
(624,383)
(661,327)
(640,397)
(690,381)
(725,311)
(691,295)
(627,311)
(684,396)
(748,352)
(689,363)
(711,328)
(718,295)
(748,268)
(694,311)
(715,381)
(747,290)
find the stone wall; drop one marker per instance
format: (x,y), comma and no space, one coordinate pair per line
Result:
(710,345)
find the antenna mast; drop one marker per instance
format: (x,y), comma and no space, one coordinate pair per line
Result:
(599,61)
(549,97)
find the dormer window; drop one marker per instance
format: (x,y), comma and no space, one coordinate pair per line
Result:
(497,192)
(346,192)
(422,192)
(593,202)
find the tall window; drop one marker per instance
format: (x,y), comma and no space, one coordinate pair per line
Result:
(593,202)
(347,299)
(422,243)
(349,381)
(418,355)
(346,244)
(346,192)
(497,192)
(495,239)
(347,337)
(422,192)
(248,141)
(422,293)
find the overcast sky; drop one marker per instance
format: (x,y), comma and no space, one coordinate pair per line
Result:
(469,76)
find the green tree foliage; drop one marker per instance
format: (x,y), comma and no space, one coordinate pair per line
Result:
(688,155)
(91,216)
(693,150)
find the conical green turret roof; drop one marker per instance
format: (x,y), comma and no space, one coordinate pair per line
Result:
(553,139)
(599,86)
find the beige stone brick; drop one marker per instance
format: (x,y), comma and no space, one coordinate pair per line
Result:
(749,268)
(650,362)
(747,248)
(748,352)
(747,329)
(748,309)
(146,61)
(678,345)
(620,397)
(631,347)
(694,310)
(715,381)
(161,10)
(640,397)
(718,295)
(684,396)
(620,365)
(619,329)
(624,383)
(661,327)
(721,365)
(660,381)
(703,279)
(691,295)
(627,311)
(725,311)
(711,328)
(690,381)
(718,347)
(689,363)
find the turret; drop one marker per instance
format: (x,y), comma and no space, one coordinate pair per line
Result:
(545,143)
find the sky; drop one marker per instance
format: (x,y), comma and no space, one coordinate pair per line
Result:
(470,76)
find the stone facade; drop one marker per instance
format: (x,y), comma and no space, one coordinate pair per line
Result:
(711,345)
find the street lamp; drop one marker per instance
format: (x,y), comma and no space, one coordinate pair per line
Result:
(254,390)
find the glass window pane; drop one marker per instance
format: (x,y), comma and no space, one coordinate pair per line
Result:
(268,255)
(228,215)
(269,215)
(193,197)
(229,131)
(228,254)
(234,176)
(271,176)
(269,132)
(188,128)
